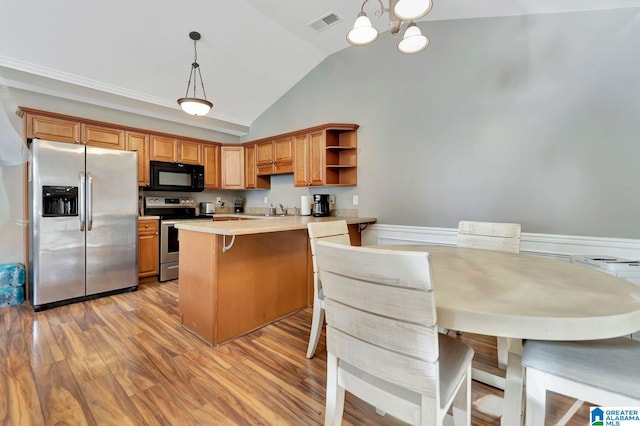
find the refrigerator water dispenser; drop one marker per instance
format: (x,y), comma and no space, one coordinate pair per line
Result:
(59,201)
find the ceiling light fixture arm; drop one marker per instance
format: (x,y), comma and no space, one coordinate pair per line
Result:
(378,12)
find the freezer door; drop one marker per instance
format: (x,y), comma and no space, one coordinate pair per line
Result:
(112,214)
(57,256)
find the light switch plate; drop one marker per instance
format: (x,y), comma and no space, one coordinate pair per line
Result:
(355,200)
(332,199)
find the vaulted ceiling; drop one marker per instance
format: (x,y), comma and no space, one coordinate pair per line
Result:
(136,55)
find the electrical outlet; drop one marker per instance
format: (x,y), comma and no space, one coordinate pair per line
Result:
(355,200)
(266,200)
(218,200)
(332,199)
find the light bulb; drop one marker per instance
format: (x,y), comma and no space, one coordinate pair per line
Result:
(410,10)
(413,40)
(363,32)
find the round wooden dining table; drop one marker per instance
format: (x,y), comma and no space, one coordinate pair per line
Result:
(520,296)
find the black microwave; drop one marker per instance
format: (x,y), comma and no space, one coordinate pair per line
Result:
(176,177)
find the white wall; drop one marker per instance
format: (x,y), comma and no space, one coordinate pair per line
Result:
(528,119)
(11,224)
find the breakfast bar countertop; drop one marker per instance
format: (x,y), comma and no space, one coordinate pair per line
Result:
(254,224)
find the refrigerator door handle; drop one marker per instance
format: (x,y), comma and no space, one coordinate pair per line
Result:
(89,201)
(81,216)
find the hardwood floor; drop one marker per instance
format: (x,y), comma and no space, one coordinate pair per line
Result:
(125,360)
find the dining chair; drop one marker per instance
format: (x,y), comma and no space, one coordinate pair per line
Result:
(338,232)
(602,372)
(491,236)
(382,340)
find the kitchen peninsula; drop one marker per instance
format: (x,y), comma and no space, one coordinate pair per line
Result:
(239,275)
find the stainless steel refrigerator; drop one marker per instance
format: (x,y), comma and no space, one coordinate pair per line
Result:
(83,233)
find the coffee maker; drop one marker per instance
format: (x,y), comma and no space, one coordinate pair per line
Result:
(237,205)
(321,205)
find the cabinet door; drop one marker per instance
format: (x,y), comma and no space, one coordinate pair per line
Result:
(264,158)
(283,156)
(301,160)
(250,166)
(163,149)
(211,155)
(53,129)
(316,158)
(232,167)
(148,250)
(190,152)
(105,137)
(140,142)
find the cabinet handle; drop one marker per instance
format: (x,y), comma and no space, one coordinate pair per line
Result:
(155,233)
(146,226)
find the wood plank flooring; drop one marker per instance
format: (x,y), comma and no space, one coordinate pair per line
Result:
(125,360)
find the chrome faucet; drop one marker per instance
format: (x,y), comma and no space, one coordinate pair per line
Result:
(283,208)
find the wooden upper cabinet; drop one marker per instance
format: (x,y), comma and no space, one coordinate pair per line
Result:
(283,156)
(105,137)
(301,160)
(212,176)
(190,152)
(162,148)
(250,168)
(232,159)
(316,158)
(264,158)
(52,129)
(309,168)
(140,142)
(275,157)
(326,157)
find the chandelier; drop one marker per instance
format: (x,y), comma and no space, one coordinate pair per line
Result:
(400,11)
(194,105)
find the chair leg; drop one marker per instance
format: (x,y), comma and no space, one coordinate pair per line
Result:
(461,406)
(503,351)
(536,398)
(316,327)
(335,394)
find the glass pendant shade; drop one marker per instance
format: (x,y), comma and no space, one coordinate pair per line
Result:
(410,10)
(413,41)
(363,32)
(195,106)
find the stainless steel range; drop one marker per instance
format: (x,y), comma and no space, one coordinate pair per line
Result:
(171,211)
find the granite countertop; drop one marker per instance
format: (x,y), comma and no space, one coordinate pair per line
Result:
(262,224)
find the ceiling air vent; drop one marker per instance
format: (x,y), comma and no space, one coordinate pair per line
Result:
(324,22)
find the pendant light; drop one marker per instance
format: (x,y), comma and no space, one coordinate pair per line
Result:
(194,105)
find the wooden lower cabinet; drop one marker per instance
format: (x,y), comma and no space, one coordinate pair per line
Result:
(148,248)
(260,279)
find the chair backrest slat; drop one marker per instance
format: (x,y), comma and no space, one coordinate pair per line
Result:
(399,336)
(406,371)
